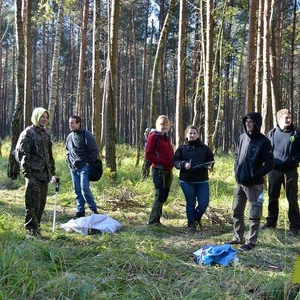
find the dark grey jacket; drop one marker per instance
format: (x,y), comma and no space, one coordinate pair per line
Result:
(253,155)
(81,149)
(286,147)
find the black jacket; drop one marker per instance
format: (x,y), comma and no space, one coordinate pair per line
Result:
(197,153)
(286,147)
(81,149)
(253,154)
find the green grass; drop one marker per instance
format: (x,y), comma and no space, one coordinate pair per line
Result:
(138,262)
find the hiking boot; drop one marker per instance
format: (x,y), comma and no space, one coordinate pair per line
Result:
(30,233)
(293,232)
(247,247)
(191,228)
(95,211)
(235,242)
(157,223)
(267,226)
(79,214)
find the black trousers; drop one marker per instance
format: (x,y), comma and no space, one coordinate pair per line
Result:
(289,181)
(162,180)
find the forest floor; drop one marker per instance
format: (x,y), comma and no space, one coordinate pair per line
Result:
(138,261)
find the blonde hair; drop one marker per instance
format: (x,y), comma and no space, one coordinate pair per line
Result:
(162,118)
(282,113)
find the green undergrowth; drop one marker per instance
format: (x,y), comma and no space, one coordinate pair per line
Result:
(138,262)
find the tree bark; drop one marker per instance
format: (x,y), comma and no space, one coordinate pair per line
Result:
(266,69)
(259,55)
(158,56)
(110,128)
(79,109)
(28,62)
(53,95)
(208,76)
(96,99)
(180,74)
(250,85)
(13,170)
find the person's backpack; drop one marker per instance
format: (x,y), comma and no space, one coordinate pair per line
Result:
(148,163)
(96,169)
(16,152)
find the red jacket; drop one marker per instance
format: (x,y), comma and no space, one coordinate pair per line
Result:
(159,151)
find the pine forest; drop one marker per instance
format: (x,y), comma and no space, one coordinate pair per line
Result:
(120,64)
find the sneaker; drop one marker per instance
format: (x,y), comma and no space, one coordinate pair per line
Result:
(247,247)
(293,232)
(79,214)
(95,211)
(267,226)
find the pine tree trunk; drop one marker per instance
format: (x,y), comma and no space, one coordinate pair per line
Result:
(110,90)
(55,64)
(13,170)
(180,74)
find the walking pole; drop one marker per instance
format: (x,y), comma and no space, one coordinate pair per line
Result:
(55,206)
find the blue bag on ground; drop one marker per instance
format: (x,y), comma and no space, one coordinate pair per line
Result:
(219,254)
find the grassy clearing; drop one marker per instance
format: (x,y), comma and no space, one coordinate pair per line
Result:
(139,262)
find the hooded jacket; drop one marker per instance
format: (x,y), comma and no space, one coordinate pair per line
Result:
(253,154)
(36,149)
(197,153)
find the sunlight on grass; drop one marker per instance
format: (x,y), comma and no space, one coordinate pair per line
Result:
(140,261)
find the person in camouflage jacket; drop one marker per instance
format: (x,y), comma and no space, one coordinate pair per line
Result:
(38,166)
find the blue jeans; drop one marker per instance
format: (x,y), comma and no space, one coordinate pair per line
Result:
(195,191)
(81,185)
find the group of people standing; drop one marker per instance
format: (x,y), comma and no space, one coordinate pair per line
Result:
(38,166)
(277,155)
(256,155)
(193,158)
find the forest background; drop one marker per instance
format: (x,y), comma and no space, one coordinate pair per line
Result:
(120,64)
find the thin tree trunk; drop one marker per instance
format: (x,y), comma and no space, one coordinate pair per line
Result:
(250,86)
(28,63)
(275,50)
(266,69)
(259,53)
(292,60)
(96,101)
(53,95)
(43,73)
(159,52)
(110,127)
(180,74)
(78,109)
(13,170)
(208,78)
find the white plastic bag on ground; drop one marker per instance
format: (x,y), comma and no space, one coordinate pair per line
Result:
(99,222)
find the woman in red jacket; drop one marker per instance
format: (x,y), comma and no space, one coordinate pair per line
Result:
(159,152)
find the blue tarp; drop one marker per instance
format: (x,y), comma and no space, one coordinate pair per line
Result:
(218,254)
